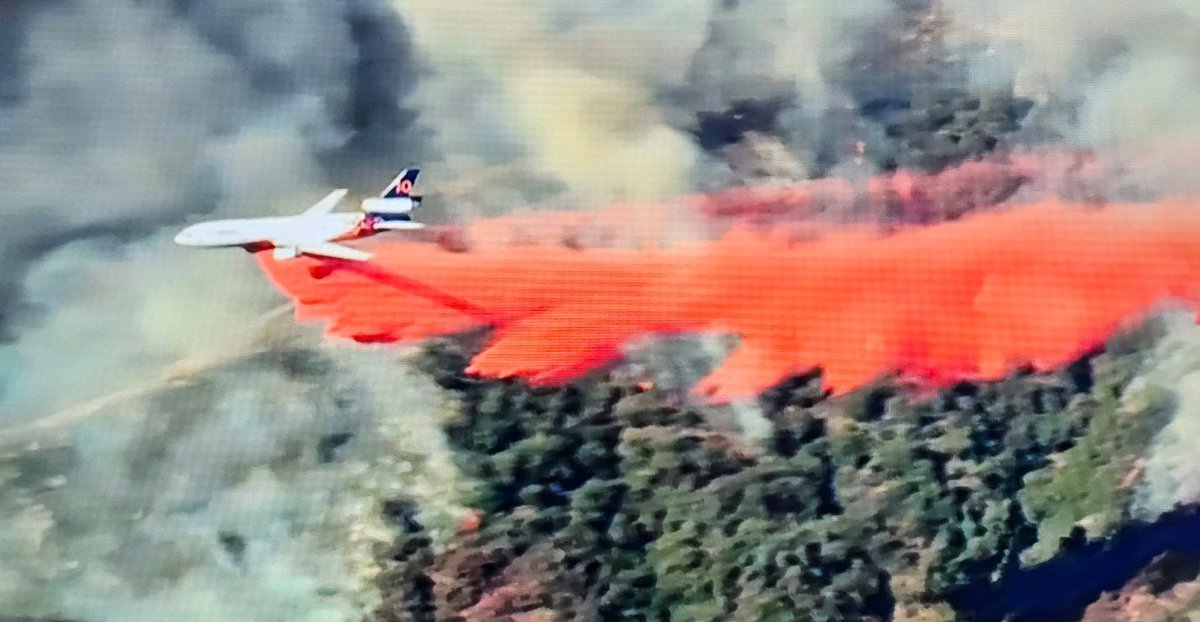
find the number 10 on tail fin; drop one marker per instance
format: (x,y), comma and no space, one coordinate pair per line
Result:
(402,186)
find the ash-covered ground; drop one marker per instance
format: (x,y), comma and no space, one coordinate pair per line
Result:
(271,475)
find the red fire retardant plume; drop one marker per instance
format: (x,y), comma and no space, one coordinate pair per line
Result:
(1033,285)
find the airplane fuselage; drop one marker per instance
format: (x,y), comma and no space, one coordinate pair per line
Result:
(318,229)
(278,231)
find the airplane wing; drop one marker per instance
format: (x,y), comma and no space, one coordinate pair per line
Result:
(329,249)
(327,204)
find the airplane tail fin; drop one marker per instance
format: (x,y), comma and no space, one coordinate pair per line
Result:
(402,186)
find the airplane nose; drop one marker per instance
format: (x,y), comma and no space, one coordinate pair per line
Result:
(184,238)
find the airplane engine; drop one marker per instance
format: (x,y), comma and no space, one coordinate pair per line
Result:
(396,205)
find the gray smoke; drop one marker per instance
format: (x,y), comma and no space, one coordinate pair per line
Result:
(1120,77)
(600,99)
(121,122)
(1171,474)
(131,119)
(252,492)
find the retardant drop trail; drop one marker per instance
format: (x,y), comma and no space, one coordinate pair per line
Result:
(1037,285)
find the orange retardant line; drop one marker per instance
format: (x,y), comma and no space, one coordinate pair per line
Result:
(1037,284)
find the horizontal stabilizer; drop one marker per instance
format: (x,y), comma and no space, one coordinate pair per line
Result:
(285,252)
(398,225)
(329,249)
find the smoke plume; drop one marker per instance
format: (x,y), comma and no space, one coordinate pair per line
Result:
(128,121)
(1122,81)
(249,493)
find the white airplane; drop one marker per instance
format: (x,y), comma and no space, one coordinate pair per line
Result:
(317,230)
